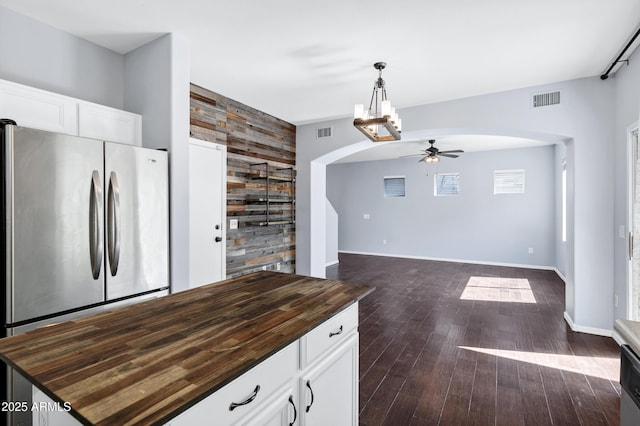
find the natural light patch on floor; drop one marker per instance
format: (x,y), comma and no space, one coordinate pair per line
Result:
(603,368)
(494,289)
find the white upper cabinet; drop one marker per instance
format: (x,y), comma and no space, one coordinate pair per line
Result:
(101,122)
(38,109)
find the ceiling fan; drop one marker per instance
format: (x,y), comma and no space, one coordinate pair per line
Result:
(433,154)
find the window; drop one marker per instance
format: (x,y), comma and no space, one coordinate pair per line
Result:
(394,186)
(508,181)
(446,184)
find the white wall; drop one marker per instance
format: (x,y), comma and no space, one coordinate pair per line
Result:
(157,86)
(152,80)
(560,155)
(331,257)
(584,120)
(627,107)
(38,55)
(473,226)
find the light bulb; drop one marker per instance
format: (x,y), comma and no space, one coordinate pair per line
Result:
(386,109)
(358,111)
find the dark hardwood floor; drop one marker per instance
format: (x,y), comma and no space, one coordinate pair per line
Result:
(454,344)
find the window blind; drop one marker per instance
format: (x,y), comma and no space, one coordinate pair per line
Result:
(394,186)
(447,184)
(508,181)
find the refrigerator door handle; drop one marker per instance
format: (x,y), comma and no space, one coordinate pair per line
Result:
(113,219)
(95,231)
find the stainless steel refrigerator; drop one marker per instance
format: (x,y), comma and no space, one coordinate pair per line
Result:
(85,229)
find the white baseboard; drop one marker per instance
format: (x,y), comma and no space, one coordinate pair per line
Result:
(585,329)
(439,259)
(561,275)
(335,262)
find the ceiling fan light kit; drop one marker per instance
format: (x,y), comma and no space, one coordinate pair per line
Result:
(433,154)
(380,122)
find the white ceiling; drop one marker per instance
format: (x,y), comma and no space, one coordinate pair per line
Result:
(305,61)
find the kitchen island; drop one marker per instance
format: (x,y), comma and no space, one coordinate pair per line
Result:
(150,362)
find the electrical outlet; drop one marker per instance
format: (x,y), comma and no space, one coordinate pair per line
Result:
(233,224)
(264,267)
(366,216)
(530,250)
(277,266)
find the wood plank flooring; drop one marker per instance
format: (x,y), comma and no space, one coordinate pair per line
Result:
(445,343)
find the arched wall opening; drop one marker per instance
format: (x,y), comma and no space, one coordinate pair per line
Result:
(562,152)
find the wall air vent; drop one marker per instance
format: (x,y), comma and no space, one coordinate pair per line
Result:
(324,132)
(545,99)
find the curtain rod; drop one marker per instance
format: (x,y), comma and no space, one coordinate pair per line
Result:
(615,62)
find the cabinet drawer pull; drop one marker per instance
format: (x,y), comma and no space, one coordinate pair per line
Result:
(310,390)
(295,412)
(335,333)
(246,401)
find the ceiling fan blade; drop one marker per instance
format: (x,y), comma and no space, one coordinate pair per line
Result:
(422,159)
(412,155)
(448,155)
(451,151)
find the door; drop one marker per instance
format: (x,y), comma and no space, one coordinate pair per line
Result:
(136,220)
(207,212)
(55,208)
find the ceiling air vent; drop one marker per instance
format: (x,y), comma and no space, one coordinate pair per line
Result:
(324,132)
(546,99)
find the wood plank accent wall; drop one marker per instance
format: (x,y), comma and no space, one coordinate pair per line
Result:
(251,137)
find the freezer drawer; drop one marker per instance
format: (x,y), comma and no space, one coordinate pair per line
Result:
(137,220)
(53,205)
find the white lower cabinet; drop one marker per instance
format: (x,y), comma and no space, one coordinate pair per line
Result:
(329,389)
(235,402)
(46,412)
(282,410)
(313,381)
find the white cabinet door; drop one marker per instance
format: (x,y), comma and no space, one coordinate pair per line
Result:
(329,390)
(109,124)
(38,109)
(207,212)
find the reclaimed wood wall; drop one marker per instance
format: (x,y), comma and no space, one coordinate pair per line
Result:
(251,137)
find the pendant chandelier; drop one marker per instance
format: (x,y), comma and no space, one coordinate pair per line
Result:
(380,122)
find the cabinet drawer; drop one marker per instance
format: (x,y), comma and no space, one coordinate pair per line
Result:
(270,375)
(327,335)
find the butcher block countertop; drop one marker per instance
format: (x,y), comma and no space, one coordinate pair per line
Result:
(146,363)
